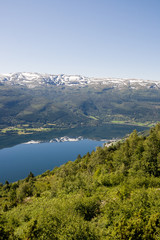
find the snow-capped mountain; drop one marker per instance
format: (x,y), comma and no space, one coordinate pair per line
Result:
(32,80)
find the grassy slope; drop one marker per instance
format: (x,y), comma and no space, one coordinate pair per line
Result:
(111,194)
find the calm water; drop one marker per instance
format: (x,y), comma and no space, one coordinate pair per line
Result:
(16,162)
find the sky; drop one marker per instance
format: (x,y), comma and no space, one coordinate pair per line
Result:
(94,38)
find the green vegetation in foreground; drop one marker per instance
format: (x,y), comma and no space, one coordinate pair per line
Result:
(112,193)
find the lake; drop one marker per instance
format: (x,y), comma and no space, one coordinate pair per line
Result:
(17,159)
(16,162)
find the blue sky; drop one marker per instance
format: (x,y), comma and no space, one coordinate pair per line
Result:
(105,38)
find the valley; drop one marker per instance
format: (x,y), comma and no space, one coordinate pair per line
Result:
(80,120)
(101,194)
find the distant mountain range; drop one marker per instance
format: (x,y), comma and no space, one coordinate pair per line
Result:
(32,80)
(69,101)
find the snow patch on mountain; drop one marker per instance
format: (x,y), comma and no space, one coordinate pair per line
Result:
(32,80)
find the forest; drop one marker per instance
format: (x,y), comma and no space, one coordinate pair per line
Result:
(25,111)
(111,193)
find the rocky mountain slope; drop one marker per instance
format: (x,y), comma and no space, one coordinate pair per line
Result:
(32,80)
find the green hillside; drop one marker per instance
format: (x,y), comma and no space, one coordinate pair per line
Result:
(63,107)
(112,193)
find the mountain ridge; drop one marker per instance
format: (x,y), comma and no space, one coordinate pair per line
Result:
(66,101)
(32,80)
